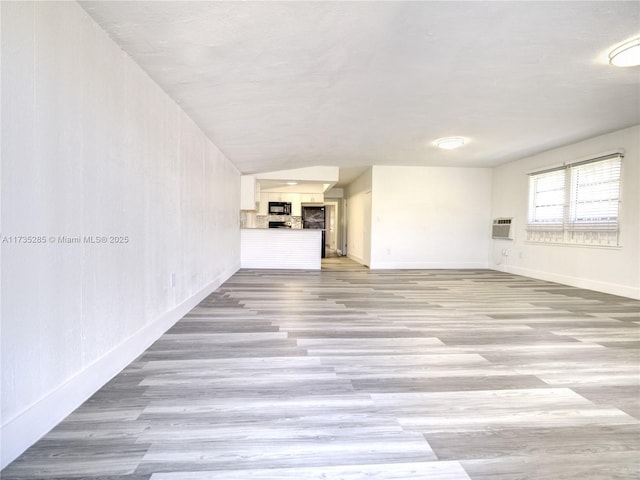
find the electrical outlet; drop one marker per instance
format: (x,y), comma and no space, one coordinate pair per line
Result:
(388,251)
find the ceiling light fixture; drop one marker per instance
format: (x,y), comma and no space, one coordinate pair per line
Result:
(292,183)
(450,143)
(626,55)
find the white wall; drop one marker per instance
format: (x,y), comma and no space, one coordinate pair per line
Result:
(320,174)
(335,192)
(91,146)
(358,198)
(611,270)
(430,217)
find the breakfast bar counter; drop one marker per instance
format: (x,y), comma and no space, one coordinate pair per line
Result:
(280,248)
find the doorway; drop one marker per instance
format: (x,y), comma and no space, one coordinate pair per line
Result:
(330,245)
(333,225)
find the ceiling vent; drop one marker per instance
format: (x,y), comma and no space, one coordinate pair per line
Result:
(501,229)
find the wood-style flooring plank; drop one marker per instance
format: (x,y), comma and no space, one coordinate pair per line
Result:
(377,471)
(359,375)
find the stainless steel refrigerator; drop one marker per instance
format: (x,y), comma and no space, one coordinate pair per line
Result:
(313,217)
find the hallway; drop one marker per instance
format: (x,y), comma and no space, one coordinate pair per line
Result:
(340,263)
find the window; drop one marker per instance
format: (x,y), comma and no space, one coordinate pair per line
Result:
(546,199)
(576,203)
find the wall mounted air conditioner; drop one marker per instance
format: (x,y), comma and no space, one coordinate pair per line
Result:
(502,229)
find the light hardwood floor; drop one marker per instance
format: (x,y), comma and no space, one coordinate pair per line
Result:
(357,374)
(340,263)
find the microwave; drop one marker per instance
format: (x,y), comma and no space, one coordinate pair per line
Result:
(279,208)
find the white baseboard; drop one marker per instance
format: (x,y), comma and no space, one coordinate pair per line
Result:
(23,430)
(427,265)
(605,287)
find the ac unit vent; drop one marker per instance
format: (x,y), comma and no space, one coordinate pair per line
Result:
(501,229)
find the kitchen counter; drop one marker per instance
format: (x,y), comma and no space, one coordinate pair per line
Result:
(280,248)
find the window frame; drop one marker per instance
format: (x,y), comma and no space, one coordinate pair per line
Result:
(599,232)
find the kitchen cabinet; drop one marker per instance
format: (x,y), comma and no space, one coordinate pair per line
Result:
(312,198)
(296,211)
(294,200)
(249,192)
(263,208)
(284,197)
(277,197)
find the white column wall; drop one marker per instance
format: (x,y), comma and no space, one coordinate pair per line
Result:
(91,146)
(430,217)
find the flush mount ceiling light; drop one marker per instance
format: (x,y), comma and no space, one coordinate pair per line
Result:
(292,183)
(450,143)
(626,55)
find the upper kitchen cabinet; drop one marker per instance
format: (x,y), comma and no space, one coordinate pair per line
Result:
(312,198)
(264,203)
(284,197)
(249,192)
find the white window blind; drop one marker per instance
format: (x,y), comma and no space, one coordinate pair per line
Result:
(576,203)
(595,194)
(546,198)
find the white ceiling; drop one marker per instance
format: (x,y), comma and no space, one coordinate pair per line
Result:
(281,85)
